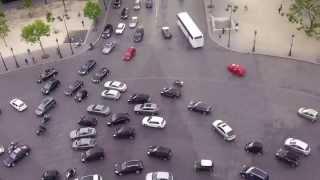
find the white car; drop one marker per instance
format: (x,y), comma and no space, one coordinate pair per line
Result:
(111,94)
(154,121)
(116,85)
(133,22)
(297,145)
(18,104)
(159,176)
(309,113)
(120,28)
(90,177)
(224,129)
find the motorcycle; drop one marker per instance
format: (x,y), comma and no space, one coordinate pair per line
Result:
(41,129)
(45,119)
(178,83)
(70,173)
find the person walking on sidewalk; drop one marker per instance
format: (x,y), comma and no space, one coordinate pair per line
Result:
(26,61)
(280,8)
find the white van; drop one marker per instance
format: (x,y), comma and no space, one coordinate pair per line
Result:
(137,5)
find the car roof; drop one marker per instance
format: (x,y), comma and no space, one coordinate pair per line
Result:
(205,162)
(163,175)
(226,128)
(155,119)
(298,142)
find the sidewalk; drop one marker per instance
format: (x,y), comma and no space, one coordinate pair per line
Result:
(274,32)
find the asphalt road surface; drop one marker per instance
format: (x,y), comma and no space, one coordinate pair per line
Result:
(261,106)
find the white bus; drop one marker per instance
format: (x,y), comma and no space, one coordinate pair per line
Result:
(190,30)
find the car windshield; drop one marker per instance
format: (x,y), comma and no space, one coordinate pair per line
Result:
(98,107)
(14,154)
(123,165)
(18,103)
(120,26)
(87,178)
(84,131)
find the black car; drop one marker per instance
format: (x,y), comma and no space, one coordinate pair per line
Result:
(46,105)
(171,92)
(100,74)
(47,74)
(125,13)
(253,173)
(139,99)
(73,88)
(199,106)
(118,118)
(50,175)
(124,133)
(96,153)
(116,4)
(107,31)
(159,152)
(81,95)
(49,86)
(289,157)
(18,153)
(88,121)
(254,147)
(149,3)
(87,67)
(138,35)
(166,32)
(127,167)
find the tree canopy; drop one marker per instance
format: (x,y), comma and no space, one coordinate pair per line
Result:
(33,32)
(92,10)
(4,28)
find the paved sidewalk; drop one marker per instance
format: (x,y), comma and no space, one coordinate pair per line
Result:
(273,30)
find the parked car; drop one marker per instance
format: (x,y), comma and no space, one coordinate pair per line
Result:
(52,174)
(83,143)
(203,165)
(83,133)
(224,130)
(18,104)
(166,32)
(46,105)
(137,5)
(129,54)
(237,69)
(159,176)
(120,28)
(139,98)
(171,92)
(253,173)
(100,75)
(298,146)
(146,109)
(254,147)
(309,113)
(90,177)
(199,106)
(118,118)
(88,121)
(287,156)
(99,109)
(138,35)
(159,152)
(47,74)
(154,122)
(17,154)
(124,13)
(107,31)
(116,4)
(81,95)
(149,3)
(96,153)
(73,88)
(116,85)
(124,133)
(108,47)
(49,86)
(111,94)
(128,167)
(133,21)
(87,67)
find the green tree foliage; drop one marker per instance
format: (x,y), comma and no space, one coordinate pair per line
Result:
(28,4)
(306,13)
(32,33)
(92,10)
(4,29)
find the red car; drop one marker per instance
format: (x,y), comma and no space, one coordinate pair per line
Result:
(130,53)
(237,69)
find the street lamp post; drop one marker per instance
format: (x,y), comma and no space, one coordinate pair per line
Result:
(4,64)
(68,35)
(232,8)
(58,48)
(64,6)
(291,44)
(254,41)
(15,59)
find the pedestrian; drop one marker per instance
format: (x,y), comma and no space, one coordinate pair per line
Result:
(280,8)
(82,22)
(236,26)
(223,30)
(79,14)
(245,8)
(26,61)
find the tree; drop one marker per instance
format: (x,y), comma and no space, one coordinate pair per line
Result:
(92,10)
(32,33)
(28,4)
(4,29)
(306,13)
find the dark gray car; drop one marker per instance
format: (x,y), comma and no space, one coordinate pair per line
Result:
(46,105)
(99,109)
(138,35)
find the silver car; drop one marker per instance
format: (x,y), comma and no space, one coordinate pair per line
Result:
(133,22)
(84,143)
(224,130)
(111,94)
(90,177)
(147,109)
(99,109)
(309,113)
(116,85)
(83,132)
(108,47)
(159,176)
(297,145)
